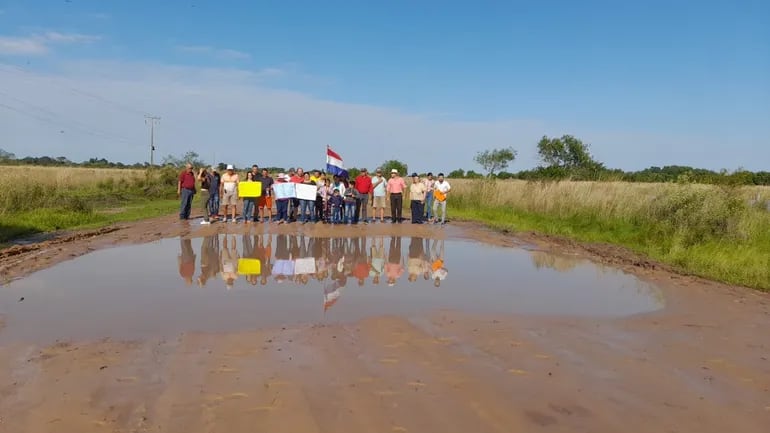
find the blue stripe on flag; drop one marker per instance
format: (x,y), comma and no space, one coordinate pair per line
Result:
(336,171)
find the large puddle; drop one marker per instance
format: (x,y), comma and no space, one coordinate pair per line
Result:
(233,282)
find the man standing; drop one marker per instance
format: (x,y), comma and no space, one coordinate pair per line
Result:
(214,192)
(363,189)
(265,202)
(229,191)
(185,190)
(378,195)
(417,197)
(395,188)
(205,179)
(440,192)
(255,173)
(429,197)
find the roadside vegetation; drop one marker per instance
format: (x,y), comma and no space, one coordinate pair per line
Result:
(43,199)
(714,226)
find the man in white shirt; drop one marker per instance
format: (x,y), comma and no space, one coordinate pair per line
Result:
(379,184)
(440,192)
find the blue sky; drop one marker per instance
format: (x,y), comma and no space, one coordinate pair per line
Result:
(428,82)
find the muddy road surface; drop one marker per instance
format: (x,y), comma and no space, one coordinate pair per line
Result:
(162,326)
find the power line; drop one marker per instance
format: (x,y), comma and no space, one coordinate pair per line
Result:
(51,117)
(77,91)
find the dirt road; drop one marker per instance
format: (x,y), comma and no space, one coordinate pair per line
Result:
(702,364)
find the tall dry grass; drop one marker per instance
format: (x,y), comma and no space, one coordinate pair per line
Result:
(716,231)
(24,188)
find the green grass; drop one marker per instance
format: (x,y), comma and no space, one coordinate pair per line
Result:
(40,200)
(27,223)
(709,232)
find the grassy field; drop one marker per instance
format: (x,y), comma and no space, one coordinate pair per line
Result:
(43,199)
(716,232)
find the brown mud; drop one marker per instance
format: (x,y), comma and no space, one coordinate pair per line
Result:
(701,364)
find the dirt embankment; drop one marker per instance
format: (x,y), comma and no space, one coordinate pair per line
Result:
(699,365)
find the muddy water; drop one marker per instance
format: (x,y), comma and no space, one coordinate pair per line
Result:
(237,282)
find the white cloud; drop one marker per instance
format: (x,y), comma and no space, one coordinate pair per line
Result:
(233,115)
(223,53)
(39,44)
(22,46)
(69,38)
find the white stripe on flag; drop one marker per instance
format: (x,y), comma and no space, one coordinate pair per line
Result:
(334,161)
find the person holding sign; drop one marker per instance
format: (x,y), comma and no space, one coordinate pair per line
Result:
(229,191)
(307,197)
(440,191)
(249,203)
(282,197)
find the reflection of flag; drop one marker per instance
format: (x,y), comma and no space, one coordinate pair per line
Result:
(334,163)
(331,293)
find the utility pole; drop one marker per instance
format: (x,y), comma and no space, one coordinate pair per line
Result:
(152,121)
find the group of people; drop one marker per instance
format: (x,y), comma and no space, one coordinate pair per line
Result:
(285,258)
(339,200)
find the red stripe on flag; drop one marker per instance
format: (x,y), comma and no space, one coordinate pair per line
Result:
(333,154)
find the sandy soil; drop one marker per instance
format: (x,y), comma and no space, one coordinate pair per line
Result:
(700,365)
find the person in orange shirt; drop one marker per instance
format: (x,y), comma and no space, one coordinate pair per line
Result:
(395,188)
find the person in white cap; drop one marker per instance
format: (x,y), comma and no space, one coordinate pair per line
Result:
(229,191)
(395,188)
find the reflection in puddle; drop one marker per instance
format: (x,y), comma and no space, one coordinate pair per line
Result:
(226,282)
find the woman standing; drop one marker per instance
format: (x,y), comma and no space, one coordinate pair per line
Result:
(249,203)
(307,207)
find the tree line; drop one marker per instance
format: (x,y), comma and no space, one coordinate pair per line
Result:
(568,158)
(561,158)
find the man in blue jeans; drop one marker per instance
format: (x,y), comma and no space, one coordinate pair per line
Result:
(186,191)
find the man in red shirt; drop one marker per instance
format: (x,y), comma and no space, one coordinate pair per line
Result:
(363,188)
(185,190)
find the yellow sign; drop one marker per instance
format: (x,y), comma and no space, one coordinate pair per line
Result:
(250,189)
(249,267)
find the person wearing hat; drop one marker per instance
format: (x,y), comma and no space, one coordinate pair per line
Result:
(395,188)
(440,192)
(417,198)
(281,204)
(379,191)
(229,191)
(429,181)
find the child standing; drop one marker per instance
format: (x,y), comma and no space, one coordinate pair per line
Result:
(350,205)
(335,205)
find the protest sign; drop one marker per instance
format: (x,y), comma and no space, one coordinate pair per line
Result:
(285,190)
(250,189)
(306,192)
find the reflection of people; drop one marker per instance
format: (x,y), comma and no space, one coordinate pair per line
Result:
(360,261)
(438,271)
(229,259)
(416,256)
(394,268)
(186,261)
(378,259)
(283,268)
(209,259)
(264,252)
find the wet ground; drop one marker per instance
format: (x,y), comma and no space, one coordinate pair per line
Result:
(368,329)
